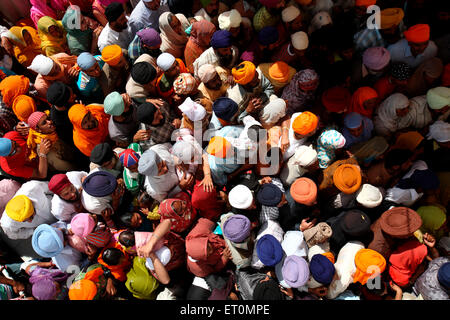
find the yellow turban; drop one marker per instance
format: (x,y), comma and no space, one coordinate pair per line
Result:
(347,178)
(112,54)
(244,72)
(368,263)
(279,71)
(19,208)
(391,17)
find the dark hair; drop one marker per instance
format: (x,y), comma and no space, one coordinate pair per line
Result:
(112,256)
(145,199)
(397,157)
(125,219)
(143,73)
(126,238)
(114,11)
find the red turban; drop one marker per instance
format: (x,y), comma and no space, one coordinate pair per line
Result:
(418,33)
(58,182)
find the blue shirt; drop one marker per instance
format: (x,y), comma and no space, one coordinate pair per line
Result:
(401,52)
(87,84)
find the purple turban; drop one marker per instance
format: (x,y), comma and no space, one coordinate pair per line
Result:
(149,36)
(295,271)
(43,281)
(8,189)
(221,39)
(237,228)
(376,58)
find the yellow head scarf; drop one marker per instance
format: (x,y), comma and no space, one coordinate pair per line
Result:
(19,208)
(140,282)
(51,45)
(24,52)
(35,138)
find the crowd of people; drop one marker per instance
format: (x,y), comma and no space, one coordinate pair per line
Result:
(225,150)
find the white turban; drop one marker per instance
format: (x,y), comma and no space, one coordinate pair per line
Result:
(305,156)
(41,64)
(290,13)
(321,19)
(240,197)
(229,19)
(294,244)
(206,72)
(193,110)
(273,111)
(165,61)
(300,40)
(440,131)
(369,196)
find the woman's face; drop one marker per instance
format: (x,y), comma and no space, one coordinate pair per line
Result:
(179,206)
(136,220)
(89,122)
(84,25)
(175,24)
(371,104)
(54,31)
(27,37)
(356,132)
(309,86)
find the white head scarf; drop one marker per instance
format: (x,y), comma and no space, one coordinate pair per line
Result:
(229,19)
(440,131)
(171,41)
(273,111)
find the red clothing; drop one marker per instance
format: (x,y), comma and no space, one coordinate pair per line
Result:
(285,53)
(18,165)
(384,88)
(206,203)
(199,262)
(405,260)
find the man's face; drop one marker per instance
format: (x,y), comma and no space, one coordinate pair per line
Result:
(111,163)
(121,23)
(174,70)
(235,31)
(154,5)
(224,52)
(45,125)
(215,83)
(295,25)
(89,122)
(134,168)
(94,71)
(70,193)
(212,8)
(252,84)
(157,118)
(162,168)
(418,48)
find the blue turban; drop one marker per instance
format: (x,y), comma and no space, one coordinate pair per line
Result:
(5,147)
(268,35)
(269,195)
(100,184)
(353,120)
(269,250)
(86,60)
(425,179)
(444,275)
(322,269)
(148,163)
(221,39)
(47,241)
(225,108)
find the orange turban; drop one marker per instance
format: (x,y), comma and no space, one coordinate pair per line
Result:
(418,33)
(305,123)
(365,3)
(13,86)
(279,71)
(366,259)
(391,17)
(219,147)
(23,106)
(329,256)
(360,96)
(304,191)
(336,99)
(409,140)
(347,178)
(112,54)
(244,72)
(82,290)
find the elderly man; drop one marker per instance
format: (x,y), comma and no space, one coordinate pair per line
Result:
(161,178)
(146,14)
(116,30)
(29,208)
(251,91)
(66,201)
(415,48)
(213,82)
(222,53)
